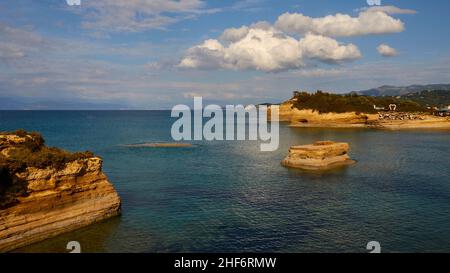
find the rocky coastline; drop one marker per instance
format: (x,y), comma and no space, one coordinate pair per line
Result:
(39,202)
(308,118)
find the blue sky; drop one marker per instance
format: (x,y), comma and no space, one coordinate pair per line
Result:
(153,54)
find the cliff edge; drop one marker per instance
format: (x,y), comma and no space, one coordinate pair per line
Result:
(45,191)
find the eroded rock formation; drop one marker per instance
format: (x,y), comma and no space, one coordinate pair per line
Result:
(311,118)
(321,155)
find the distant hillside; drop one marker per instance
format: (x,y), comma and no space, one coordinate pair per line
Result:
(437,98)
(388,90)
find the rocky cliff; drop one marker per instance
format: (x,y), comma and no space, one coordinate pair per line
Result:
(45,191)
(312,118)
(285,112)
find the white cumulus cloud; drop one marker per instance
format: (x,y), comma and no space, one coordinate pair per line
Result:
(341,25)
(266,49)
(294,41)
(327,49)
(234,34)
(386,51)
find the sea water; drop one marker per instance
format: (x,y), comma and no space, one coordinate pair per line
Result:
(228,196)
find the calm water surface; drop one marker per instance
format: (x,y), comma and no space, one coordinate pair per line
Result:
(230,197)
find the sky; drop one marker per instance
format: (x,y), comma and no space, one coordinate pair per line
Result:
(154,54)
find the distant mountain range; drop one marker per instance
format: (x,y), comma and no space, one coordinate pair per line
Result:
(388,90)
(432,95)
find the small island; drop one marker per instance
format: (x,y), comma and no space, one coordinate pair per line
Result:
(47,191)
(322,155)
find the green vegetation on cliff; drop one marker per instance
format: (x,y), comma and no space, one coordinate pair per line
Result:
(30,153)
(335,103)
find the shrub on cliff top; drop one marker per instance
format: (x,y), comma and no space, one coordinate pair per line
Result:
(44,157)
(31,153)
(34,153)
(34,141)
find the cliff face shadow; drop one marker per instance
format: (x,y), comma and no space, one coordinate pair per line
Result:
(93,239)
(11,188)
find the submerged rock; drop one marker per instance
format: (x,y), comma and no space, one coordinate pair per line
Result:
(49,192)
(322,155)
(159,145)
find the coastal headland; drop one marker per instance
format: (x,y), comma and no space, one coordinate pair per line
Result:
(323,110)
(46,191)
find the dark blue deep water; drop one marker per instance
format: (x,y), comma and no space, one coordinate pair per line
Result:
(230,197)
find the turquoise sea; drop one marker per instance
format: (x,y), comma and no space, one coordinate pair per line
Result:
(227,196)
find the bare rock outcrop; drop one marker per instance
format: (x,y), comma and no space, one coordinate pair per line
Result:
(321,155)
(51,200)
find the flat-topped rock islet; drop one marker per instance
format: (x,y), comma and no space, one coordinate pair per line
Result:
(321,155)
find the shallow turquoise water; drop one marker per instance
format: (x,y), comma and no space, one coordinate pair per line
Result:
(230,197)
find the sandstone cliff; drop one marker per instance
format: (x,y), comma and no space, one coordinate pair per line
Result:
(284,113)
(38,203)
(311,118)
